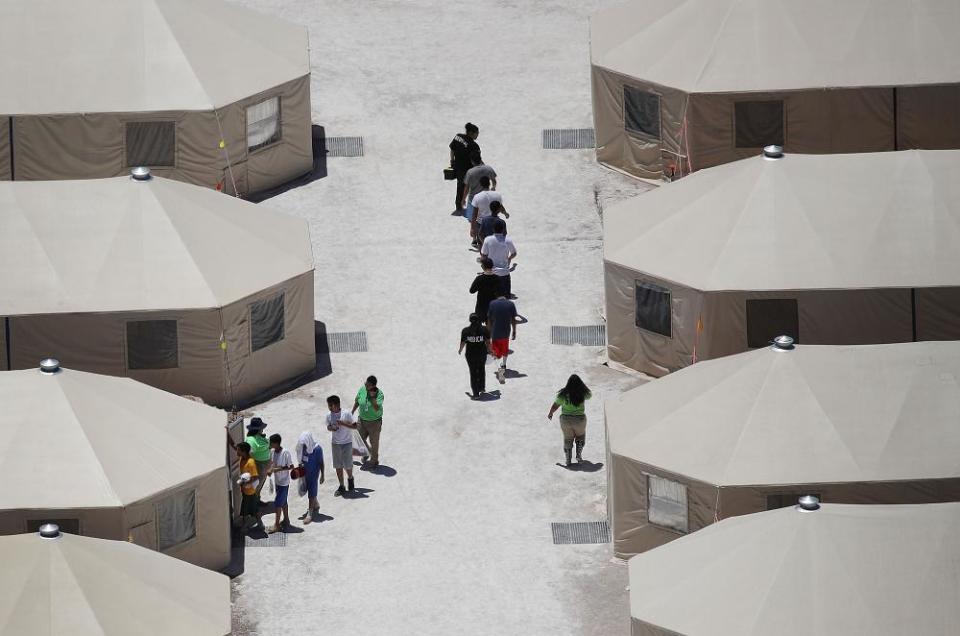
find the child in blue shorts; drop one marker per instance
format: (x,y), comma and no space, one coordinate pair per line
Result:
(280,465)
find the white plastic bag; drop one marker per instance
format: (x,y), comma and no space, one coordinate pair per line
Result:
(359,446)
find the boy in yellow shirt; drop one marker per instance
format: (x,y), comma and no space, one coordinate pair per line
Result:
(249,480)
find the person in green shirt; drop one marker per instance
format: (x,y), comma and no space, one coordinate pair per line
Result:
(571,401)
(259,447)
(370,402)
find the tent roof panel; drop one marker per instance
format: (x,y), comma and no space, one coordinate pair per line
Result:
(816,414)
(704,46)
(874,220)
(58,56)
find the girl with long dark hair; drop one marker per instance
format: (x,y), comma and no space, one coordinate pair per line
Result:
(571,400)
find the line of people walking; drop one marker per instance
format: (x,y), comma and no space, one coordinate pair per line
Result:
(264,460)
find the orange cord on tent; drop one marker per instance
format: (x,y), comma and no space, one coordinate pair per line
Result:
(226,154)
(696,336)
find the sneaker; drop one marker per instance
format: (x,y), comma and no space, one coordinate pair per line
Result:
(340,490)
(350,484)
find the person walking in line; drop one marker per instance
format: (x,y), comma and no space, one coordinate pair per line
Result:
(249,480)
(500,249)
(310,456)
(281,463)
(340,424)
(472,185)
(462,148)
(571,401)
(486,286)
(486,226)
(502,321)
(370,402)
(475,338)
(481,204)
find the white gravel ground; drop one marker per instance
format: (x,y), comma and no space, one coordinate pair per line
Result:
(458,540)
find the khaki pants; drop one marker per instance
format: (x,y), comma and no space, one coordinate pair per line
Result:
(370,432)
(573,427)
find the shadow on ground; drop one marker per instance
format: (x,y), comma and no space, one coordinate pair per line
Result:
(582,467)
(383,470)
(319,170)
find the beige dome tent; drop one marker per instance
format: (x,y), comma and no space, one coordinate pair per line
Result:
(115,459)
(90,89)
(834,571)
(749,432)
(681,86)
(173,285)
(828,249)
(65,585)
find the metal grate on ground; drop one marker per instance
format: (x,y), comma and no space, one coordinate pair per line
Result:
(275,540)
(585,335)
(347,342)
(344,146)
(568,138)
(579,532)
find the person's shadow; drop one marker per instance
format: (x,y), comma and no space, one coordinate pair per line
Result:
(381,469)
(513,373)
(486,396)
(357,493)
(583,467)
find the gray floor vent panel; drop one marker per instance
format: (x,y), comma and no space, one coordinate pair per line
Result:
(275,540)
(347,342)
(344,146)
(579,532)
(585,335)
(568,138)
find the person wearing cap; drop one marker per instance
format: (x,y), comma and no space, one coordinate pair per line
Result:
(475,338)
(370,402)
(259,447)
(249,482)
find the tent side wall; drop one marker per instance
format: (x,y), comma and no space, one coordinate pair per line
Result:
(103,523)
(254,373)
(90,146)
(928,117)
(632,531)
(210,547)
(5,123)
(646,351)
(635,153)
(98,343)
(640,628)
(938,313)
(814,122)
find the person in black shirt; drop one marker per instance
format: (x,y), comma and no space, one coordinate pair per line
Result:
(486,286)
(464,154)
(476,339)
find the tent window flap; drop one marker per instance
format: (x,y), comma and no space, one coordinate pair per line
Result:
(177,519)
(263,123)
(667,503)
(266,322)
(152,344)
(151,143)
(771,317)
(758,124)
(653,308)
(641,111)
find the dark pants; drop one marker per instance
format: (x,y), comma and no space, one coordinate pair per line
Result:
(505,285)
(461,187)
(477,374)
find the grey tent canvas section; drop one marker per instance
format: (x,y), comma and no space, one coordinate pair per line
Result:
(828,249)
(90,89)
(837,571)
(687,85)
(177,286)
(743,433)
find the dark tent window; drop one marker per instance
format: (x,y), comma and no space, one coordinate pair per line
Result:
(70,526)
(151,143)
(767,319)
(758,124)
(641,111)
(266,322)
(152,344)
(653,308)
(775,502)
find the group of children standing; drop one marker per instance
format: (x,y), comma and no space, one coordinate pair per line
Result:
(265,459)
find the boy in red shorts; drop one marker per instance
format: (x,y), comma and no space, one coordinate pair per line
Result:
(502,320)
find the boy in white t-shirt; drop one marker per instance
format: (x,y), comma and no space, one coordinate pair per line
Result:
(340,424)
(281,463)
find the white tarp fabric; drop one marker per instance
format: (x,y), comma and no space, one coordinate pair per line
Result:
(836,571)
(863,244)
(85,262)
(854,424)
(80,586)
(873,75)
(113,454)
